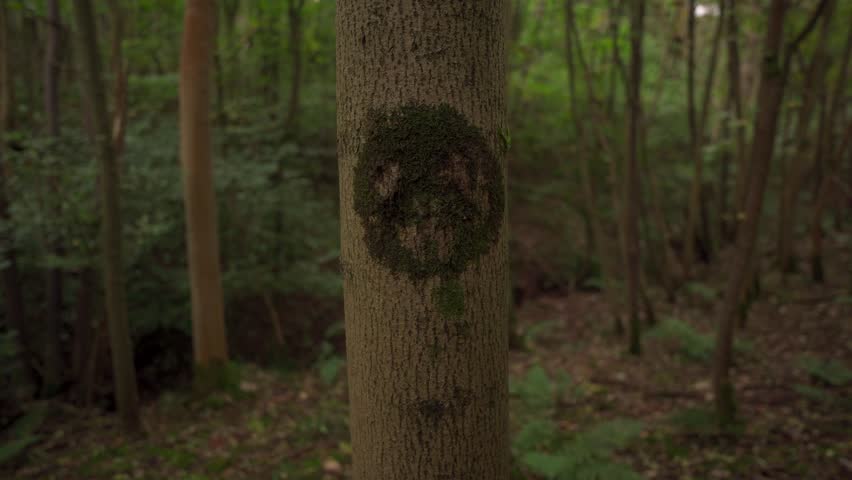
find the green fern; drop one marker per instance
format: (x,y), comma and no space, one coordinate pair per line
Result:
(813,393)
(588,455)
(538,433)
(10,450)
(536,389)
(702,290)
(693,344)
(22,434)
(831,372)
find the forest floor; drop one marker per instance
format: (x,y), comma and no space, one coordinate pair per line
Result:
(292,425)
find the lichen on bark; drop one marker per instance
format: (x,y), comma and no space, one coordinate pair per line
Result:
(429,192)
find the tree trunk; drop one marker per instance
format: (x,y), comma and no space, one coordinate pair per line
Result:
(697,127)
(119,71)
(53,371)
(631,180)
(735,88)
(599,117)
(202,234)
(773,75)
(421,142)
(294,17)
(124,373)
(13,300)
(793,178)
(836,150)
(590,197)
(84,327)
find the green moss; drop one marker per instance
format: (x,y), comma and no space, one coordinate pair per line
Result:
(449,298)
(428,190)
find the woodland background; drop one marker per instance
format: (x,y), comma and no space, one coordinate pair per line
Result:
(623,259)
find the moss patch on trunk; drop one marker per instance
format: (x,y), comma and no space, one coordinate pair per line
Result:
(428,190)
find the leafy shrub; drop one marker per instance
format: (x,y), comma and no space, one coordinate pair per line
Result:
(276,234)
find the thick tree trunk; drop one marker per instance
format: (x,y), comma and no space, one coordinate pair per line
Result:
(53,371)
(631,180)
(124,373)
(202,234)
(421,142)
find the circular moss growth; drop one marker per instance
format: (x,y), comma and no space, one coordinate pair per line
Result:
(428,190)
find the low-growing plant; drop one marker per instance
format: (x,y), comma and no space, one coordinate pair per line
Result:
(542,448)
(830,372)
(692,344)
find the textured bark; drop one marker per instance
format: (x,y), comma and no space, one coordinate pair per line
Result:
(427,350)
(202,235)
(53,371)
(631,180)
(121,349)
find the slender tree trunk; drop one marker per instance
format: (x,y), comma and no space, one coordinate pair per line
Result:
(598,133)
(836,150)
(84,323)
(31,67)
(774,71)
(631,177)
(119,72)
(53,371)
(697,127)
(124,372)
(590,197)
(421,141)
(793,178)
(722,207)
(294,17)
(202,234)
(13,300)
(735,95)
